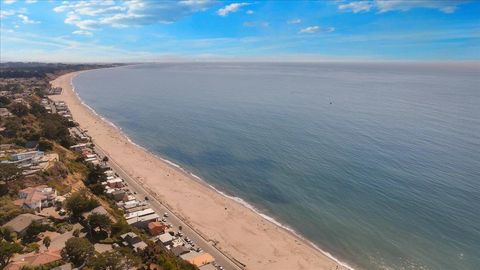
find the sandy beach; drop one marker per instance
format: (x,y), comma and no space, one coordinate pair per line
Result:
(238,231)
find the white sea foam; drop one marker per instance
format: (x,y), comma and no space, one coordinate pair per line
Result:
(234,198)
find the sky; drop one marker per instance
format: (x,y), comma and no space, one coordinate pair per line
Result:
(147,30)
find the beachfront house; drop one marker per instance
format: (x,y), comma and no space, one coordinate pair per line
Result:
(156,228)
(142,221)
(179,250)
(80,147)
(115,182)
(118,194)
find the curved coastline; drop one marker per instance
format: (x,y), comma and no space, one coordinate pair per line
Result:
(327,261)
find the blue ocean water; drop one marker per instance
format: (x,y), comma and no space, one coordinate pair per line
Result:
(376,163)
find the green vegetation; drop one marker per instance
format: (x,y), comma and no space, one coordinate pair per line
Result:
(32,232)
(9,172)
(80,202)
(7,250)
(99,221)
(78,251)
(8,210)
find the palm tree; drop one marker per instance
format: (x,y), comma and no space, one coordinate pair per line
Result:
(46,241)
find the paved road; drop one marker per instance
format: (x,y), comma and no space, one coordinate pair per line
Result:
(159,208)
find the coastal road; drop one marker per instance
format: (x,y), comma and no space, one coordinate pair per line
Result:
(134,186)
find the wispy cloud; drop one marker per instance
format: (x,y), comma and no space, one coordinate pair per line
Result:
(231,8)
(31,1)
(26,20)
(249,12)
(82,33)
(310,29)
(316,29)
(92,14)
(294,21)
(8,2)
(445,6)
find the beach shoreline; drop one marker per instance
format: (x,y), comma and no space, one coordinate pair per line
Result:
(237,228)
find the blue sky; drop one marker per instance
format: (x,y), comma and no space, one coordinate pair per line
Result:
(146,30)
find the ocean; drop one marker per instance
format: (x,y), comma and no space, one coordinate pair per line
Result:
(375,163)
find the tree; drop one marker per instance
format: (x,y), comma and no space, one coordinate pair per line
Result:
(80,202)
(37,109)
(33,230)
(76,233)
(7,250)
(95,175)
(7,234)
(109,260)
(19,109)
(4,101)
(99,221)
(45,145)
(47,241)
(105,160)
(78,251)
(9,172)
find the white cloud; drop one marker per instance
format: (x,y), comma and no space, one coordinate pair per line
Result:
(26,20)
(31,1)
(445,6)
(249,12)
(294,21)
(356,7)
(316,29)
(82,33)
(8,2)
(231,8)
(92,14)
(6,13)
(310,29)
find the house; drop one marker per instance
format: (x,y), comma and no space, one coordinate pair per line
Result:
(26,155)
(35,260)
(142,222)
(25,159)
(80,147)
(132,240)
(36,197)
(177,242)
(115,183)
(118,194)
(166,239)
(139,213)
(180,250)
(198,258)
(155,228)
(21,222)
(97,210)
(4,112)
